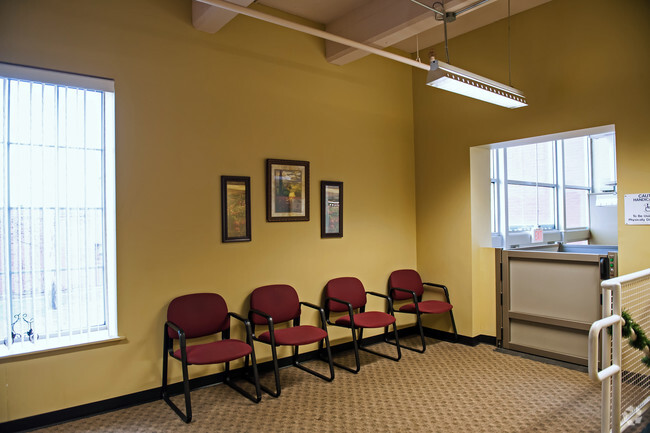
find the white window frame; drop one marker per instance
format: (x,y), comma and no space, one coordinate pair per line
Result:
(508,239)
(44,76)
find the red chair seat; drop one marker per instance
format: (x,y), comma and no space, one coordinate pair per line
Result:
(215,352)
(295,336)
(368,319)
(429,307)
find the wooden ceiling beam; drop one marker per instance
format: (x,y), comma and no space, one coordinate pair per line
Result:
(211,19)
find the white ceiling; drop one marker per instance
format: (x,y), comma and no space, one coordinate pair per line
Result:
(400,24)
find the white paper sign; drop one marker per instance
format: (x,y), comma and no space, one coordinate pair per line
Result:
(637,209)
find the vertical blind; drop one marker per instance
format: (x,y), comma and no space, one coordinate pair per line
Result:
(56,210)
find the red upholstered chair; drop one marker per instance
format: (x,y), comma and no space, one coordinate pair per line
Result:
(201,315)
(407,284)
(347,294)
(279,303)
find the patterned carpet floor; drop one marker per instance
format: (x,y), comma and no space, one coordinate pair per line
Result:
(450,388)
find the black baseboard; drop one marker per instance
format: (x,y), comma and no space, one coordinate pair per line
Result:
(462,339)
(150,395)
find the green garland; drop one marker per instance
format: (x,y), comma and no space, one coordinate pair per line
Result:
(636,336)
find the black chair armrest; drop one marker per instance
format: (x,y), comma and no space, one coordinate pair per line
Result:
(341,301)
(440,286)
(320,311)
(411,292)
(238,317)
(175,327)
(269,322)
(267,316)
(247,324)
(309,304)
(386,297)
(181,338)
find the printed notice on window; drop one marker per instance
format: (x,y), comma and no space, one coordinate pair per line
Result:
(637,209)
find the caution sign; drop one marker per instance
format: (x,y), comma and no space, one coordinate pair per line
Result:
(637,209)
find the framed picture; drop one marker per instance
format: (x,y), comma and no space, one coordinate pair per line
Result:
(287,190)
(331,209)
(235,208)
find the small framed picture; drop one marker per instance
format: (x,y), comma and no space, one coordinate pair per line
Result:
(235,209)
(331,213)
(287,190)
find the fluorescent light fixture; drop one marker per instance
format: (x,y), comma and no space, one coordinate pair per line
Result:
(453,79)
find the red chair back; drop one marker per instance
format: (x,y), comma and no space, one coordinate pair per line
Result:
(280,301)
(198,314)
(347,289)
(405,279)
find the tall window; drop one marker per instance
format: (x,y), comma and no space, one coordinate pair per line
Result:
(547,185)
(57,210)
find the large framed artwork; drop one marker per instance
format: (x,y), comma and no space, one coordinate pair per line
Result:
(287,190)
(235,208)
(331,209)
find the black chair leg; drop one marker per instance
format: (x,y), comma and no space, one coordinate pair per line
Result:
(421,328)
(358,345)
(276,373)
(256,381)
(187,416)
(296,363)
(453,324)
(356,356)
(421,331)
(392,358)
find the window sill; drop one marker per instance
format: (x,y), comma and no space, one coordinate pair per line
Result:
(6,356)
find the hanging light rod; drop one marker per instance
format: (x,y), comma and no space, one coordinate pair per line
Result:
(442,82)
(451,16)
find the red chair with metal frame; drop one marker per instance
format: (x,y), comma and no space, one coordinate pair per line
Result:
(406,284)
(347,294)
(279,303)
(200,315)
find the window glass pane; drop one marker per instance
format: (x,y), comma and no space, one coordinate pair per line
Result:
(49,115)
(577,208)
(493,164)
(531,163)
(19,117)
(576,162)
(93,120)
(604,163)
(3,83)
(529,206)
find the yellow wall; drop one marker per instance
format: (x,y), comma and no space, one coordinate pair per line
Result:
(579,67)
(191,107)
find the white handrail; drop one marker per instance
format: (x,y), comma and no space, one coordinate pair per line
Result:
(611,351)
(619,281)
(594,333)
(610,376)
